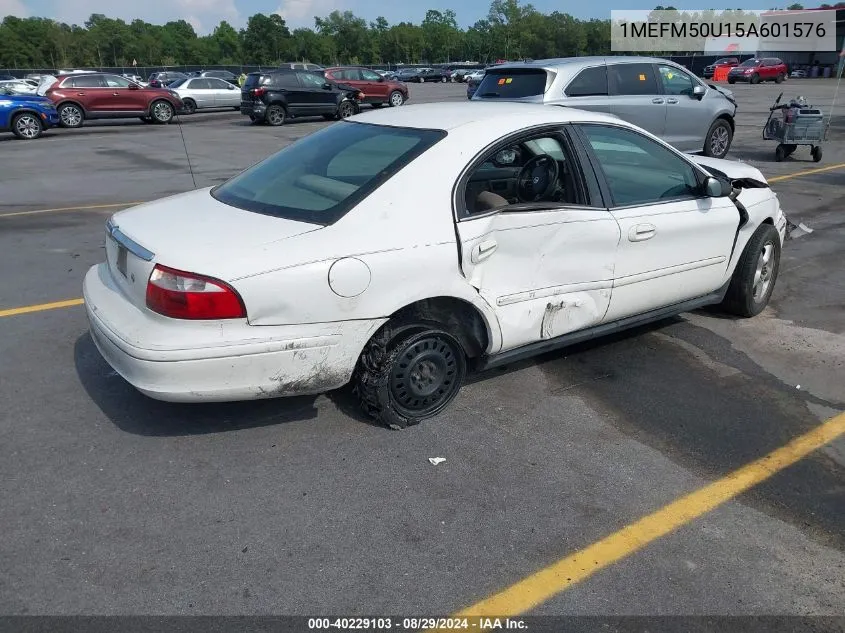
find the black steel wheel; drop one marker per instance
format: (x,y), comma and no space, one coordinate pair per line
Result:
(816,153)
(408,374)
(780,153)
(190,106)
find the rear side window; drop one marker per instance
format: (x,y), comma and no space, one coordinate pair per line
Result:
(513,84)
(590,82)
(632,79)
(319,178)
(282,80)
(88,81)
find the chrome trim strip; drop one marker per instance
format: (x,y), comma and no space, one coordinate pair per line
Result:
(131,245)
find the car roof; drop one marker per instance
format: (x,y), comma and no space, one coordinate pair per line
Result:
(559,62)
(450,116)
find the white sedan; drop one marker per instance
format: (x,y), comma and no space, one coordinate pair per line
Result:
(326,263)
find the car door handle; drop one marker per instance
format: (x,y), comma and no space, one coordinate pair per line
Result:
(115,94)
(482,251)
(671,100)
(80,94)
(658,100)
(642,232)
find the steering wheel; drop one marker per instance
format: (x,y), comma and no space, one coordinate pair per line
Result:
(537,178)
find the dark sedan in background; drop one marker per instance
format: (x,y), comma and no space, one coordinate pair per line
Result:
(725,62)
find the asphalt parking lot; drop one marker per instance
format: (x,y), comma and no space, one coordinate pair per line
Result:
(112,503)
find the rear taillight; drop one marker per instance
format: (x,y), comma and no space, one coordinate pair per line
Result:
(181,295)
(257,92)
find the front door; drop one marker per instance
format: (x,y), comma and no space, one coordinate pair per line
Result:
(374,86)
(319,99)
(225,95)
(533,242)
(687,122)
(675,242)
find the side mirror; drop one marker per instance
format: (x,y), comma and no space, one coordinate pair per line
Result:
(715,188)
(698,92)
(230,87)
(133,86)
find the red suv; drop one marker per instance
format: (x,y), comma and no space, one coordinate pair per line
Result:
(758,69)
(105,96)
(377,90)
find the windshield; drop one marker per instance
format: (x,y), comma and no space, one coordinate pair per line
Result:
(512,84)
(321,177)
(748,63)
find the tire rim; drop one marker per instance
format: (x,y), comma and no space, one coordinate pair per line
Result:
(719,141)
(71,116)
(397,99)
(276,116)
(346,110)
(764,273)
(162,112)
(28,126)
(425,376)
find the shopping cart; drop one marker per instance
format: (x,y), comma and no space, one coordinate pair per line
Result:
(799,124)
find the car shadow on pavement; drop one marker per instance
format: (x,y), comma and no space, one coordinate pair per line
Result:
(133,412)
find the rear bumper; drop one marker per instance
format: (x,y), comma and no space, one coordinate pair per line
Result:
(185,361)
(254,110)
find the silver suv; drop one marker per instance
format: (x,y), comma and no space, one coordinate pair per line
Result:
(657,95)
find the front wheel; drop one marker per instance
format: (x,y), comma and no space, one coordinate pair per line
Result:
(443,80)
(731,81)
(756,273)
(162,112)
(816,153)
(345,110)
(190,106)
(422,80)
(779,79)
(755,78)
(71,116)
(27,126)
(396,99)
(408,374)
(718,139)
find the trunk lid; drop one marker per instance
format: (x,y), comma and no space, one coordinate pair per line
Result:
(191,232)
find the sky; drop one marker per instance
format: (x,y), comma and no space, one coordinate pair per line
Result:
(204,15)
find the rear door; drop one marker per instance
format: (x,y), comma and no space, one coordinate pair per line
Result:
(687,120)
(201,92)
(91,92)
(636,97)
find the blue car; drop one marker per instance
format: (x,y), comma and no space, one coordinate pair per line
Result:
(26,116)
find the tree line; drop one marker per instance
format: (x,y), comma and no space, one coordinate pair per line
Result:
(511,30)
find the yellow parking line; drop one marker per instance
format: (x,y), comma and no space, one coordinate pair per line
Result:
(557,577)
(807,172)
(85,208)
(41,307)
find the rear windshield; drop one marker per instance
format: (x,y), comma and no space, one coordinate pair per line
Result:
(512,84)
(322,176)
(253,80)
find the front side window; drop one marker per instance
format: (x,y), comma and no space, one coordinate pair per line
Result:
(217,84)
(537,171)
(637,169)
(675,82)
(321,177)
(632,79)
(310,80)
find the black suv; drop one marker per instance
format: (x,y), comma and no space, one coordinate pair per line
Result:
(275,96)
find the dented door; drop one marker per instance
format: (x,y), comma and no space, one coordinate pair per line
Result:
(545,273)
